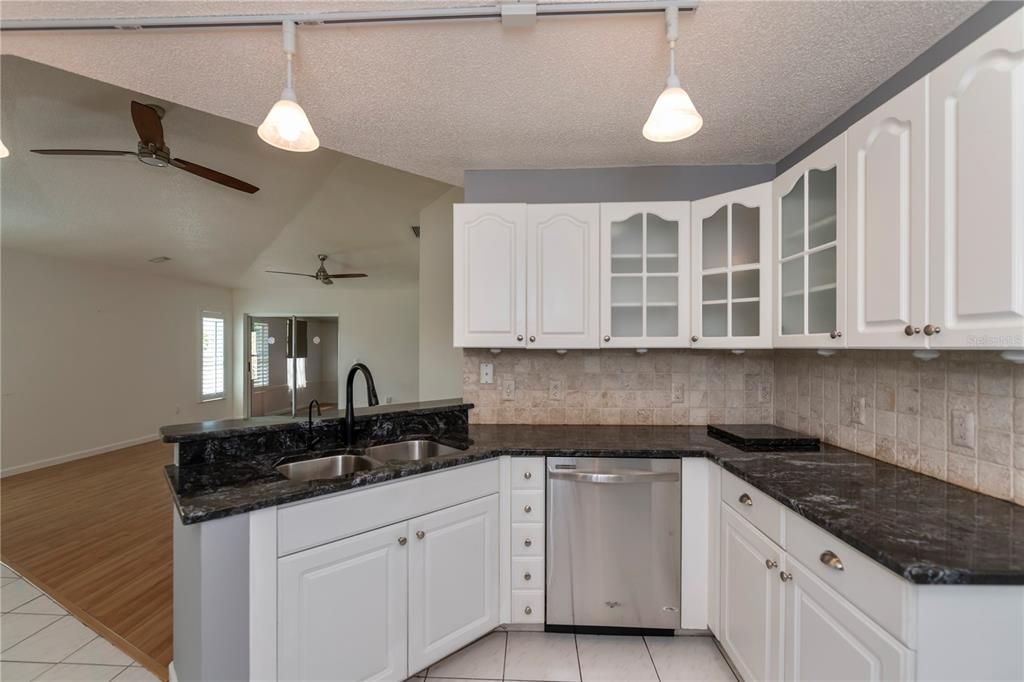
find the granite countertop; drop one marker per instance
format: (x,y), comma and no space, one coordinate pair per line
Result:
(226,428)
(923,529)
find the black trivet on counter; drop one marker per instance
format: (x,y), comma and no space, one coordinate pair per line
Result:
(763,438)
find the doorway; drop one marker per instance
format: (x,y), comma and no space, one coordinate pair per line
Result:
(292,361)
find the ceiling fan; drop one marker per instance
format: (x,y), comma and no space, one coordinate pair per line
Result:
(153,151)
(321,274)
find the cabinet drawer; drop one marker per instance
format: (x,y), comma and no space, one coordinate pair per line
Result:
(527,573)
(528,473)
(528,506)
(527,606)
(761,511)
(528,539)
(878,592)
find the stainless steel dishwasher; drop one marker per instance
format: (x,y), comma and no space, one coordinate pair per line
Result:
(613,543)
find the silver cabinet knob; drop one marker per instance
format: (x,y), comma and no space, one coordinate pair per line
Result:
(745,499)
(528,610)
(519,337)
(527,509)
(528,542)
(835,334)
(527,576)
(528,475)
(607,338)
(694,339)
(930,329)
(831,559)
(785,577)
(532,339)
(771,563)
(402,541)
(420,535)
(911,330)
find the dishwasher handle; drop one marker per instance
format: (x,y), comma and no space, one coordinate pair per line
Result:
(615,477)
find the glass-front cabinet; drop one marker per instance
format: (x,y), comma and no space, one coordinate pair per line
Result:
(810,217)
(645,274)
(731,303)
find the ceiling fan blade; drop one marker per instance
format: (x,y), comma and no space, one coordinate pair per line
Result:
(82,152)
(215,176)
(348,275)
(297,274)
(147,124)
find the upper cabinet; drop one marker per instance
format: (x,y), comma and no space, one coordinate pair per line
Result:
(887,242)
(810,250)
(976,217)
(731,303)
(489,275)
(562,279)
(645,275)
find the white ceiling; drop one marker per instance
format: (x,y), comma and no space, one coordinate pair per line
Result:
(120,212)
(440,98)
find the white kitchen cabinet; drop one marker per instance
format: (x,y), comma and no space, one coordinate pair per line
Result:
(827,638)
(732,286)
(809,210)
(887,243)
(342,609)
(976,157)
(453,579)
(489,275)
(751,622)
(526,522)
(645,274)
(563,275)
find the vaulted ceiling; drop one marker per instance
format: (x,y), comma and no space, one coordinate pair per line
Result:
(437,99)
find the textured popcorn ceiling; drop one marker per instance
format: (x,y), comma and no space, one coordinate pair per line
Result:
(440,98)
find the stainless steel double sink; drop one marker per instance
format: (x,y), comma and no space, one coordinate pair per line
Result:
(336,466)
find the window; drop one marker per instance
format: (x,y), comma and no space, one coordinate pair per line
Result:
(259,361)
(212,356)
(300,366)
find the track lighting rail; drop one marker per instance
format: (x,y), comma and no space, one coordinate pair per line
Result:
(482,12)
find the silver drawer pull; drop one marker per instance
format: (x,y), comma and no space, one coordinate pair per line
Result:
(527,576)
(771,563)
(527,509)
(420,535)
(528,475)
(528,542)
(831,559)
(745,499)
(528,610)
(785,577)
(402,541)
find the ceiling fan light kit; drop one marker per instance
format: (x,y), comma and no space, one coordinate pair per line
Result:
(286,125)
(674,117)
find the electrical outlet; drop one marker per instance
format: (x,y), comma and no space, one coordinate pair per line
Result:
(858,411)
(508,389)
(678,392)
(486,372)
(555,389)
(962,425)
(764,394)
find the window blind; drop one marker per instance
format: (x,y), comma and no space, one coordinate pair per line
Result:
(212,356)
(260,359)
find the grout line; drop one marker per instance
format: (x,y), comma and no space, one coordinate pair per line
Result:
(59,618)
(725,657)
(84,645)
(504,658)
(651,656)
(579,664)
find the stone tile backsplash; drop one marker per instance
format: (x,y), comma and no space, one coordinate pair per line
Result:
(661,387)
(908,408)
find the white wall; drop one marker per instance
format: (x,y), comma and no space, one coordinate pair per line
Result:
(96,358)
(440,362)
(378,327)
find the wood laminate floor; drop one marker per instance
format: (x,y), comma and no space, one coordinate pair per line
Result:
(95,535)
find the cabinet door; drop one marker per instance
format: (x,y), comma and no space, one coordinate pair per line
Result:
(732,269)
(453,579)
(563,276)
(976,105)
(645,275)
(887,232)
(751,621)
(489,275)
(342,609)
(827,638)
(810,250)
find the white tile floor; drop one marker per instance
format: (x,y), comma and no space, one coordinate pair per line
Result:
(39,640)
(552,657)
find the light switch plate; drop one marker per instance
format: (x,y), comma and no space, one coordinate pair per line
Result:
(555,389)
(962,428)
(486,372)
(858,410)
(508,389)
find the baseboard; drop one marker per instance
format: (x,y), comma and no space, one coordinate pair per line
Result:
(81,454)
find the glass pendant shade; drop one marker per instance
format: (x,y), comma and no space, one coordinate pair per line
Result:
(287,127)
(4,152)
(673,117)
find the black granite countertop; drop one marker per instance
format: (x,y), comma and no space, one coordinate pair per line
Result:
(226,428)
(923,529)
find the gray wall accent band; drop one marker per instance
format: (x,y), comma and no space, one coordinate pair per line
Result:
(593,185)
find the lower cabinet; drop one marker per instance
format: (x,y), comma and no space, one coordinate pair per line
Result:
(389,602)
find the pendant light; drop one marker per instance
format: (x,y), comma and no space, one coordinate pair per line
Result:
(4,151)
(286,126)
(673,117)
